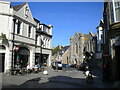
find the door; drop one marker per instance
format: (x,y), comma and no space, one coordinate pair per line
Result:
(2,62)
(117,54)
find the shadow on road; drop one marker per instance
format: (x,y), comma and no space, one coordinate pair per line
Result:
(53,82)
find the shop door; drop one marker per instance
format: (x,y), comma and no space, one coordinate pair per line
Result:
(117,54)
(2,62)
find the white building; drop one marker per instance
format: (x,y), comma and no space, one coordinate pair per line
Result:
(99,40)
(44,44)
(18,36)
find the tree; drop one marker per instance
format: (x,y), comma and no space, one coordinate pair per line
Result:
(4,39)
(55,50)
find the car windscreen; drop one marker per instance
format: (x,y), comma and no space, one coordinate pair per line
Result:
(57,62)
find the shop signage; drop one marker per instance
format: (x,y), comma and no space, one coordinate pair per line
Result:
(16,48)
(106,55)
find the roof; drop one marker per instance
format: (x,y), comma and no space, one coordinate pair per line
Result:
(65,48)
(95,34)
(36,20)
(45,25)
(18,7)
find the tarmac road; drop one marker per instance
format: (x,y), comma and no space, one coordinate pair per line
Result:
(66,78)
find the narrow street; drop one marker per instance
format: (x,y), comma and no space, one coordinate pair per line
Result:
(66,78)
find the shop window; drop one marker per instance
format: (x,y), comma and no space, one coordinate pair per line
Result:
(2,47)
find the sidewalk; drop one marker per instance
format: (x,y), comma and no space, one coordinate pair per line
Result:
(0,81)
(98,79)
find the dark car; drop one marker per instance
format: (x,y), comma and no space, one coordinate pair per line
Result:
(74,65)
(65,65)
(83,66)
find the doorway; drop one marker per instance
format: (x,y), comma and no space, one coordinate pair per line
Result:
(117,54)
(2,62)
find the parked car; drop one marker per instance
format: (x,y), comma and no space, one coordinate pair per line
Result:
(74,65)
(65,65)
(57,65)
(83,66)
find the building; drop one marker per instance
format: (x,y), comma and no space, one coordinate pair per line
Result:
(62,55)
(77,48)
(99,53)
(21,37)
(43,53)
(90,48)
(111,40)
(57,53)
(99,40)
(91,43)
(66,55)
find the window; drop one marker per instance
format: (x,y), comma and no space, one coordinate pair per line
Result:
(19,27)
(36,39)
(111,13)
(76,48)
(2,47)
(44,28)
(117,10)
(29,31)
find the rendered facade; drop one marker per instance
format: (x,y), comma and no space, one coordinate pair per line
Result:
(21,36)
(111,34)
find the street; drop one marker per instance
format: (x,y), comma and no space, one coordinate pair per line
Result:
(66,78)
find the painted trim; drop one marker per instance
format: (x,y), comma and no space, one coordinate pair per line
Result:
(23,36)
(114,10)
(17,17)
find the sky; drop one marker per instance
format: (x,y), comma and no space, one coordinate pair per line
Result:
(67,18)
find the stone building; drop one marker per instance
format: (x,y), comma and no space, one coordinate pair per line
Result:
(62,55)
(90,47)
(18,36)
(66,55)
(91,43)
(77,48)
(111,35)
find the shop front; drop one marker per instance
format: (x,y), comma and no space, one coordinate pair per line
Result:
(2,58)
(21,56)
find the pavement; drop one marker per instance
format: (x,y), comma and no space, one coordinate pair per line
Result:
(0,80)
(62,79)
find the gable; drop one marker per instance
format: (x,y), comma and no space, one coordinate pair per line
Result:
(23,11)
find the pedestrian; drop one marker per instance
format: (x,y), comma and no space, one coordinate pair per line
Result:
(35,68)
(28,69)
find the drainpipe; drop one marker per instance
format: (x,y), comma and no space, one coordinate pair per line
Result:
(14,20)
(41,51)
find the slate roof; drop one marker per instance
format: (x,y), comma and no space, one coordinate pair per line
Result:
(18,7)
(65,48)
